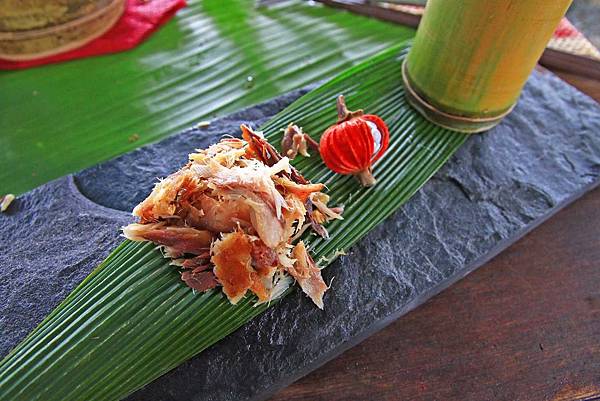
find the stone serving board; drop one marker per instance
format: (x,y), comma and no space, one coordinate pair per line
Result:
(495,189)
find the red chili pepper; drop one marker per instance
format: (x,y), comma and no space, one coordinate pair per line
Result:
(353,144)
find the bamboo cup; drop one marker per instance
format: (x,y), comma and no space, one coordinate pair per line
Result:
(471,58)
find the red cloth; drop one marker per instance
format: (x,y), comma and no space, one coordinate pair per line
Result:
(565,30)
(140,18)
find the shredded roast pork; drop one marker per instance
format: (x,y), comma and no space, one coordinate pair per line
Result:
(230,216)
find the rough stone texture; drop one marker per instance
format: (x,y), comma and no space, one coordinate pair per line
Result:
(497,187)
(50,239)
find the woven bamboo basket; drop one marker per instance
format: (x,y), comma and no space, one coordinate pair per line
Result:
(37,28)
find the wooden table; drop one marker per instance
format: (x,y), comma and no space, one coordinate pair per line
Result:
(526,326)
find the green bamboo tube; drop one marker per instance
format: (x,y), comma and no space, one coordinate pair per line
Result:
(471,58)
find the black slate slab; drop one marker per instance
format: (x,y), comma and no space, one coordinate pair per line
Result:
(496,188)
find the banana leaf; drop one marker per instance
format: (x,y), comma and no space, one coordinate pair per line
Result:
(214,57)
(133,319)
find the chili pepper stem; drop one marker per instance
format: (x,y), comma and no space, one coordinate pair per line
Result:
(365,177)
(343,113)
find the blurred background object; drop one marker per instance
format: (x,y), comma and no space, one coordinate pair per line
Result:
(137,21)
(585,14)
(37,28)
